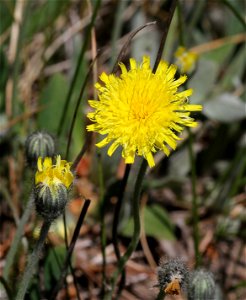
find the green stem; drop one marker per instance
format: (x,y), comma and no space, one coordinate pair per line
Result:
(18,236)
(195,216)
(76,73)
(32,261)
(235,12)
(136,222)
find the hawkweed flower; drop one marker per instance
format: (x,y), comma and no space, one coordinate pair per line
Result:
(202,286)
(52,182)
(173,276)
(186,60)
(39,144)
(141,111)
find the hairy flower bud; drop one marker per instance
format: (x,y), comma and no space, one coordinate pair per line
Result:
(50,202)
(52,182)
(39,144)
(173,276)
(201,286)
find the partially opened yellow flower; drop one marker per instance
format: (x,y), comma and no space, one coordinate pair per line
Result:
(51,175)
(140,111)
(185,59)
(52,182)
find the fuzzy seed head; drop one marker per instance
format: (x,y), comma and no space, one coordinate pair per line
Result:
(173,276)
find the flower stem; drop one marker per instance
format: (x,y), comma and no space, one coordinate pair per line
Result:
(116,222)
(164,34)
(102,223)
(18,236)
(117,211)
(136,233)
(195,216)
(32,261)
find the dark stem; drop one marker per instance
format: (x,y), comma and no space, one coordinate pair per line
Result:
(71,248)
(180,24)
(85,147)
(116,222)
(164,35)
(117,211)
(126,45)
(195,216)
(136,221)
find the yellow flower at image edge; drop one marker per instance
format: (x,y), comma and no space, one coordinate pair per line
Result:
(51,175)
(141,111)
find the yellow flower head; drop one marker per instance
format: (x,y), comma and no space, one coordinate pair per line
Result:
(53,175)
(141,111)
(185,59)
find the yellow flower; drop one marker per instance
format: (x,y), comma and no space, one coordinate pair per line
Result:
(141,111)
(53,175)
(185,59)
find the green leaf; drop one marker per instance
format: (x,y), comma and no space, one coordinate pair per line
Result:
(52,98)
(156,223)
(225,108)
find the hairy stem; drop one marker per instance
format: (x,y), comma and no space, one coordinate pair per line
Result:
(18,235)
(32,261)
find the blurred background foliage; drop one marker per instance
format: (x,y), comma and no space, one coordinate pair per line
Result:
(46,50)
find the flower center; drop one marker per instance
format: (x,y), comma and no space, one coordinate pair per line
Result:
(140,111)
(140,115)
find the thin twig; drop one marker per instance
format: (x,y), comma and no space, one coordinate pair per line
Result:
(206,47)
(126,45)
